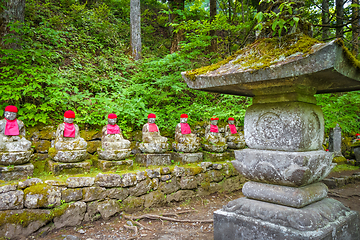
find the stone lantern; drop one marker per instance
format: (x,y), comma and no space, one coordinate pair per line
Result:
(284,130)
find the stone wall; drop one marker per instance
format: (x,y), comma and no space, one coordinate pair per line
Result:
(27,206)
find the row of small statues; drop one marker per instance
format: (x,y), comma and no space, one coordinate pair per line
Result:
(70,147)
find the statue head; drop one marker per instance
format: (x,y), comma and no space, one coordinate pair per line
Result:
(10,112)
(214,120)
(231,121)
(112,119)
(183,118)
(151,118)
(69,116)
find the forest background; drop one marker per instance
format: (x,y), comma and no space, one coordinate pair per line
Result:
(76,54)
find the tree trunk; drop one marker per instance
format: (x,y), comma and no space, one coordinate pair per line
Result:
(213,47)
(12,11)
(135,29)
(325,19)
(339,18)
(355,28)
(178,36)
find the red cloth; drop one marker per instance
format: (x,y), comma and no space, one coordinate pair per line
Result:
(11,127)
(185,128)
(232,128)
(151,115)
(112,129)
(112,116)
(153,127)
(184,115)
(69,130)
(69,114)
(214,128)
(11,108)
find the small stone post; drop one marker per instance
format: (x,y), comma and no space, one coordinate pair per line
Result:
(335,144)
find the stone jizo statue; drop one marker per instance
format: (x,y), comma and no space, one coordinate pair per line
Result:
(185,141)
(215,142)
(153,142)
(234,139)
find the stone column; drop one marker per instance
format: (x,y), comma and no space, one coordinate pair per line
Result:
(335,144)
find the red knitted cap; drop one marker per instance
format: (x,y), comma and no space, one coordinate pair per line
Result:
(69,114)
(11,108)
(184,115)
(358,134)
(151,115)
(112,116)
(214,118)
(231,118)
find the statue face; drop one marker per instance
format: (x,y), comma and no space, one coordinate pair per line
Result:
(151,120)
(68,120)
(112,121)
(183,120)
(231,122)
(214,122)
(10,115)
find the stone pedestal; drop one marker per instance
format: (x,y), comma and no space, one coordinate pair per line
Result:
(59,168)
(214,147)
(113,155)
(187,157)
(216,157)
(148,159)
(8,173)
(72,156)
(113,165)
(14,158)
(154,147)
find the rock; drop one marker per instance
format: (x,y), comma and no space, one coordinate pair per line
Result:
(206,165)
(165,178)
(70,195)
(165,170)
(106,166)
(72,216)
(76,182)
(8,188)
(39,157)
(91,135)
(141,176)
(42,146)
(209,188)
(133,203)
(190,182)
(187,157)
(233,183)
(154,159)
(154,147)
(15,158)
(141,188)
(152,199)
(59,168)
(16,172)
(217,166)
(29,182)
(180,195)
(55,183)
(192,171)
(114,155)
(93,193)
(178,171)
(117,193)
(92,146)
(11,200)
(73,156)
(155,182)
(128,180)
(108,180)
(170,186)
(47,133)
(108,208)
(215,175)
(92,213)
(42,196)
(153,173)
(72,237)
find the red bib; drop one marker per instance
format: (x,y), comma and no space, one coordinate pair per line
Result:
(11,127)
(69,130)
(232,128)
(153,127)
(185,128)
(214,128)
(112,129)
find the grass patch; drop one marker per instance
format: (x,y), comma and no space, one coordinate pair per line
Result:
(345,167)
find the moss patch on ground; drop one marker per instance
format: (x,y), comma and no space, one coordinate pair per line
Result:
(344,167)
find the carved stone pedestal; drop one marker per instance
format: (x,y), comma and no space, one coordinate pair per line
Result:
(113,165)
(148,159)
(8,173)
(59,168)
(72,156)
(216,157)
(14,158)
(113,155)
(187,157)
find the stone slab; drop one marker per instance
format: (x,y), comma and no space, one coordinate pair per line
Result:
(216,157)
(154,147)
(70,156)
(16,172)
(114,165)
(214,147)
(114,155)
(251,219)
(148,159)
(292,169)
(288,196)
(58,168)
(15,158)
(187,157)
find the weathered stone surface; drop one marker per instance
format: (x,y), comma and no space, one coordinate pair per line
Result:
(214,148)
(42,196)
(207,189)
(76,182)
(215,175)
(288,196)
(335,143)
(58,168)
(170,186)
(55,183)
(152,199)
(70,156)
(108,180)
(93,193)
(178,171)
(128,180)
(186,147)
(292,169)
(132,203)
(233,183)
(39,157)
(154,147)
(155,182)
(42,146)
(334,182)
(29,182)
(289,126)
(70,195)
(206,165)
(357,155)
(91,135)
(92,212)
(33,219)
(165,170)
(190,182)
(153,173)
(216,157)
(47,133)
(141,175)
(109,208)
(245,219)
(114,165)
(117,193)
(92,146)
(72,216)
(8,188)
(180,195)
(165,178)
(114,155)
(187,157)
(141,188)
(12,200)
(16,172)
(15,158)
(153,159)
(217,166)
